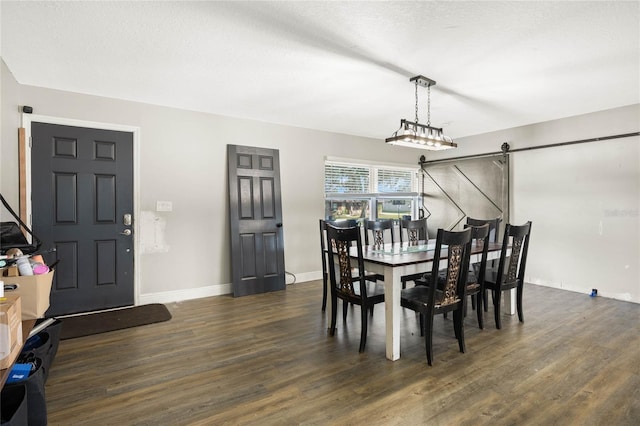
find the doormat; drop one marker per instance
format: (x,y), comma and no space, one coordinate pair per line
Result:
(102,322)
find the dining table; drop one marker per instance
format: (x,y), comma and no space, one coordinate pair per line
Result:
(394,261)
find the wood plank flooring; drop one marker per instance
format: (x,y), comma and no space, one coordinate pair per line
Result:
(269,360)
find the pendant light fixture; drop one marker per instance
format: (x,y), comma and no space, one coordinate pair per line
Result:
(415,135)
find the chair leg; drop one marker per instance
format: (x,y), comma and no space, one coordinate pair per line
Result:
(363,332)
(519,303)
(324,291)
(458,324)
(334,315)
(497,294)
(428,339)
(456,330)
(485,301)
(479,310)
(421,325)
(473,303)
(345,306)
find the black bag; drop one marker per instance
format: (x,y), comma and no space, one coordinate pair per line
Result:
(44,345)
(12,237)
(36,398)
(13,406)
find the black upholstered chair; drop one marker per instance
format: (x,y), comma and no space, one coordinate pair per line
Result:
(494,226)
(323,253)
(348,278)
(494,233)
(378,229)
(412,232)
(511,269)
(430,300)
(475,277)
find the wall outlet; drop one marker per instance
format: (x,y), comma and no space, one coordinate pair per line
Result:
(164,206)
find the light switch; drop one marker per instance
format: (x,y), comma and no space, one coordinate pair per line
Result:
(164,206)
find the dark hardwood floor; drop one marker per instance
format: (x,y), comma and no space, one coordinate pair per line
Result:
(269,360)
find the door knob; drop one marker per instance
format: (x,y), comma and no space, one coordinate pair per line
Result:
(126,232)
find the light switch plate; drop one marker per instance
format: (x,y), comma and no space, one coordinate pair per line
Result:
(164,206)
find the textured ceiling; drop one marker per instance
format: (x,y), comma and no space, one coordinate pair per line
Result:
(337,66)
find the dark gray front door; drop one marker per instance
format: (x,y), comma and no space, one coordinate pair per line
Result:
(82,188)
(255,216)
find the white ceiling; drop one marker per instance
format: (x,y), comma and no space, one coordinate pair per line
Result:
(337,66)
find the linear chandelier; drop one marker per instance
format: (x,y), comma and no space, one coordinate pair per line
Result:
(412,134)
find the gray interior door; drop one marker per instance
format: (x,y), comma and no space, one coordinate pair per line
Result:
(255,216)
(457,189)
(82,190)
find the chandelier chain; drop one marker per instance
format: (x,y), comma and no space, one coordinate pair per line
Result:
(428,105)
(416,101)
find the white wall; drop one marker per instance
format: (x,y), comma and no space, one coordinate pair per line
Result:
(583,199)
(185,253)
(583,202)
(9,123)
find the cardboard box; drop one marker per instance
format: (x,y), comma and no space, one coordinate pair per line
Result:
(34,291)
(10,330)
(10,271)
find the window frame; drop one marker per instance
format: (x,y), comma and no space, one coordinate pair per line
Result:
(374,196)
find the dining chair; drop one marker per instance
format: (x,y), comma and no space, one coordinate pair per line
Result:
(511,269)
(323,252)
(415,231)
(494,232)
(378,228)
(494,226)
(348,282)
(476,276)
(430,300)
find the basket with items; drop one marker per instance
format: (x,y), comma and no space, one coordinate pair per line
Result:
(23,270)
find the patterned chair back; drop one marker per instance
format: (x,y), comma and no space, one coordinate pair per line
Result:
(377,229)
(457,251)
(416,231)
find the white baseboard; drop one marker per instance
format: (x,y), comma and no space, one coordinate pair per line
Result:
(303,277)
(186,294)
(213,290)
(624,297)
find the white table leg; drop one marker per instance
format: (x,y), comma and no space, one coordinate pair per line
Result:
(509,299)
(392,287)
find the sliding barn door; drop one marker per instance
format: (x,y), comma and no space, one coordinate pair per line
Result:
(255,216)
(455,190)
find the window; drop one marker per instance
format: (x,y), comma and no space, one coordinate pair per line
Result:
(390,180)
(394,208)
(346,179)
(359,191)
